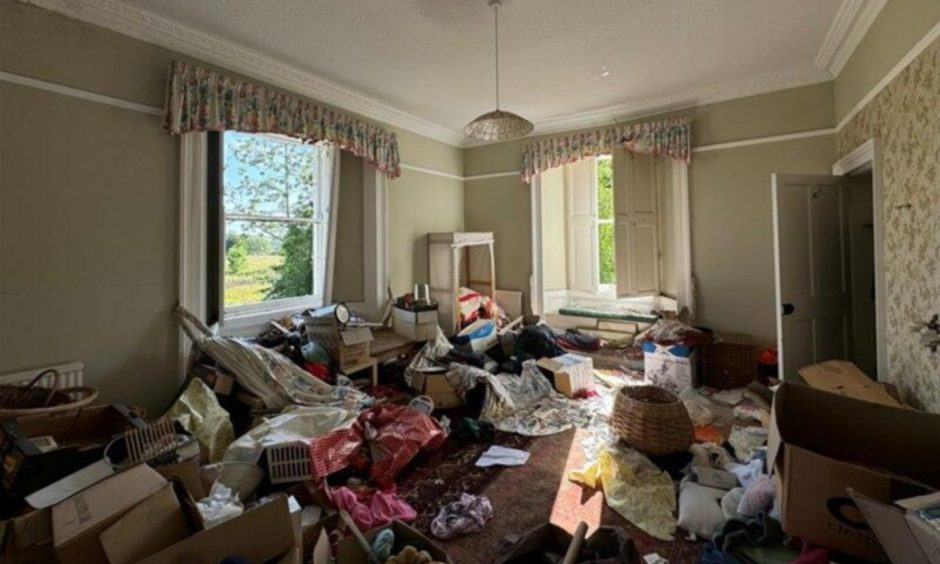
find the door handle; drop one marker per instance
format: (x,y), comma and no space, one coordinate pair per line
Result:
(788,309)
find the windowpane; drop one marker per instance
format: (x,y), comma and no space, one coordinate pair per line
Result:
(605,251)
(267,175)
(605,189)
(267,261)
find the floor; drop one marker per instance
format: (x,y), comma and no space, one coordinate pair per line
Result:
(525,497)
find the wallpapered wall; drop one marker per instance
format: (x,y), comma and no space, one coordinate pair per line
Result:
(904,117)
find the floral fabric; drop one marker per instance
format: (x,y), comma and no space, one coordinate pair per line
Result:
(200,99)
(672,138)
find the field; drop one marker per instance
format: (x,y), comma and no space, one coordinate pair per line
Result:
(252,282)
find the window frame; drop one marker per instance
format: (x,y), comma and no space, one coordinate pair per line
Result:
(248,316)
(601,289)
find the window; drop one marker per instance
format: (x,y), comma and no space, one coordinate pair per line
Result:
(275,199)
(606,256)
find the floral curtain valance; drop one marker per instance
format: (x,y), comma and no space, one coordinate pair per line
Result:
(199,99)
(672,138)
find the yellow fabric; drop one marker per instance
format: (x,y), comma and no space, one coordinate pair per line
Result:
(635,488)
(199,412)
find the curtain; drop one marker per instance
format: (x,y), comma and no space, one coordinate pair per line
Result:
(193,213)
(200,99)
(672,138)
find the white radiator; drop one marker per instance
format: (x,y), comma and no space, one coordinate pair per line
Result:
(71,374)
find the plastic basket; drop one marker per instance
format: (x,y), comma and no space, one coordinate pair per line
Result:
(289,463)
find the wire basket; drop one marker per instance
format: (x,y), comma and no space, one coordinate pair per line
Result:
(18,400)
(289,462)
(652,420)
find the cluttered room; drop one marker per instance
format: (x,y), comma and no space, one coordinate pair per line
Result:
(475,281)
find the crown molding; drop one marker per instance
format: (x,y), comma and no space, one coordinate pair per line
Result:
(145,26)
(847,30)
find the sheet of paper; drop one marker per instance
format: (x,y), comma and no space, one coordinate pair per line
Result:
(502,456)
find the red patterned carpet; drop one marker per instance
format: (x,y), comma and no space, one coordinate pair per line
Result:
(524,497)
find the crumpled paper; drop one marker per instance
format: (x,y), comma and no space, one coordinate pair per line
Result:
(298,424)
(634,487)
(199,412)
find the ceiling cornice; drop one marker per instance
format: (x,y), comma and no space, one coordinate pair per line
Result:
(139,24)
(847,30)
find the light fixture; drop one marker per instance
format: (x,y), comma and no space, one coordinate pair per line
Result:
(498,125)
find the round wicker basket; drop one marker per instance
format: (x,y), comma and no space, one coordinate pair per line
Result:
(652,420)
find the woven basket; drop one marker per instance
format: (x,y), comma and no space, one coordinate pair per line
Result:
(652,420)
(731,361)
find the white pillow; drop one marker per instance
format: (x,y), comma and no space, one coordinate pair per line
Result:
(700,508)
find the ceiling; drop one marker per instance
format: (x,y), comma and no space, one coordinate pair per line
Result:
(427,65)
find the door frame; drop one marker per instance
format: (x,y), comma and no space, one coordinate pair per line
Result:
(865,157)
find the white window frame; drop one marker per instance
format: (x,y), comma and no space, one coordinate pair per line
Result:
(601,289)
(248,318)
(543,301)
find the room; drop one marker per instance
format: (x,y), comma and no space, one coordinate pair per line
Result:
(469,281)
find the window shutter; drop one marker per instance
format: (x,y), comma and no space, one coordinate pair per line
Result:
(581,207)
(636,222)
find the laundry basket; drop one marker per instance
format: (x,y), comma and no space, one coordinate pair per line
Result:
(652,420)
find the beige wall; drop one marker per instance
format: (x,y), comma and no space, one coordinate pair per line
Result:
(734,183)
(899,26)
(348,279)
(903,117)
(88,209)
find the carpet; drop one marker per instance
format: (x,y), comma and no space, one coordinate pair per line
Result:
(438,477)
(525,497)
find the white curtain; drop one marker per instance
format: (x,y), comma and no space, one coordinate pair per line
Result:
(193,252)
(329,201)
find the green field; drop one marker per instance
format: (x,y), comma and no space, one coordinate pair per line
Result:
(252,282)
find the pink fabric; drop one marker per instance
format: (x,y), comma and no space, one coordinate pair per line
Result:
(372,509)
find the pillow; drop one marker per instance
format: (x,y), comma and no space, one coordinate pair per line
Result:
(699,508)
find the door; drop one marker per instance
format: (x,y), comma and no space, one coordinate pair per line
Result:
(811,257)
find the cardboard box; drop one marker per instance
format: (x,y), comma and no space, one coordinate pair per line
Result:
(415,325)
(670,366)
(436,386)
(822,443)
(347,347)
(905,534)
(479,336)
(349,551)
(261,534)
(571,373)
(78,520)
(154,524)
(844,378)
(27,539)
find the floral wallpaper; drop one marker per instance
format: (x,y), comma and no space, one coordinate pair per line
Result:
(905,116)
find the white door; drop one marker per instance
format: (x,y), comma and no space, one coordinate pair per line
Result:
(811,256)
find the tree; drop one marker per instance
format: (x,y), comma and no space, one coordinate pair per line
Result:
(236,254)
(605,232)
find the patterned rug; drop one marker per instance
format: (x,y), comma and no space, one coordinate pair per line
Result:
(438,477)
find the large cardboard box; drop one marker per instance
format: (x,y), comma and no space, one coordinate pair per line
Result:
(571,373)
(822,443)
(27,539)
(844,378)
(415,325)
(262,534)
(436,386)
(78,520)
(909,530)
(670,366)
(479,336)
(151,526)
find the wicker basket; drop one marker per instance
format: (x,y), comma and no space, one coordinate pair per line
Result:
(731,361)
(652,420)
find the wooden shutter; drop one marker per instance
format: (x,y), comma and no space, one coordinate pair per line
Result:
(581,208)
(636,222)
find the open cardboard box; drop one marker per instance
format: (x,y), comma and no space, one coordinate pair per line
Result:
(349,551)
(822,443)
(905,535)
(844,378)
(571,373)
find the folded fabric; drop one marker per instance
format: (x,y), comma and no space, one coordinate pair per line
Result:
(502,456)
(730,502)
(746,473)
(759,497)
(699,508)
(467,515)
(761,530)
(370,509)
(634,487)
(746,441)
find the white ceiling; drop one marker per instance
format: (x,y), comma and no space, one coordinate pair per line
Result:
(431,61)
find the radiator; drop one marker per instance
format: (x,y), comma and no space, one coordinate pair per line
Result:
(71,374)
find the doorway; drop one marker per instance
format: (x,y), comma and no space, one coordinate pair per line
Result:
(828,266)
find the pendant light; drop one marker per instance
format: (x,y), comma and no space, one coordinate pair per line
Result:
(497,125)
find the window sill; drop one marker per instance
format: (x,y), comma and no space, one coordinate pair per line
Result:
(248,321)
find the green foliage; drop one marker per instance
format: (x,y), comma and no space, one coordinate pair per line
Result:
(605,231)
(236,255)
(295,273)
